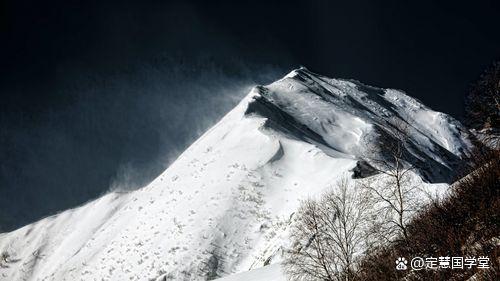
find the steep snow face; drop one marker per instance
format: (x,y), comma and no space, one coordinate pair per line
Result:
(346,118)
(225,204)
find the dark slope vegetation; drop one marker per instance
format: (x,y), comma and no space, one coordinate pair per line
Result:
(466,223)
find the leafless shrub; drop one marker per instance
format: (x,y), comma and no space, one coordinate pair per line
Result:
(328,235)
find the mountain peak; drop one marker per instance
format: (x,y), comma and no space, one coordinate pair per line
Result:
(225,205)
(345,118)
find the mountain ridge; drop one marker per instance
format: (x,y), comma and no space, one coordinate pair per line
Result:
(224,206)
(379,106)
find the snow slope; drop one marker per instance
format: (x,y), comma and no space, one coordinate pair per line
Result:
(267,273)
(224,205)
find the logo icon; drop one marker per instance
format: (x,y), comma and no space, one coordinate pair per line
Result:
(401,264)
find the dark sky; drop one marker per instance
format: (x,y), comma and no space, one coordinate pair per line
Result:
(99,95)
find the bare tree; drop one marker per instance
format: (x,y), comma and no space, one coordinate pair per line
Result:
(482,103)
(394,196)
(328,235)
(482,107)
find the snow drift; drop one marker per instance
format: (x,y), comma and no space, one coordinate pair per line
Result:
(224,205)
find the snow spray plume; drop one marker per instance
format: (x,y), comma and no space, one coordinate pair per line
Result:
(177,105)
(114,130)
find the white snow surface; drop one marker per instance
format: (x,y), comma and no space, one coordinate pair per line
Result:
(267,273)
(224,205)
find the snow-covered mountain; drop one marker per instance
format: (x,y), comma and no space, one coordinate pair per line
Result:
(225,204)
